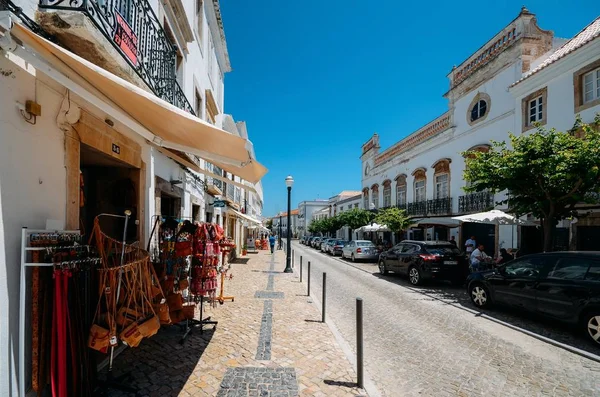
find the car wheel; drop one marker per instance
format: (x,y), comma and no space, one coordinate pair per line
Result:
(591,321)
(382,268)
(342,256)
(352,258)
(480,295)
(414,275)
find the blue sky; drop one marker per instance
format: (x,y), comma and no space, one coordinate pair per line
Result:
(315,79)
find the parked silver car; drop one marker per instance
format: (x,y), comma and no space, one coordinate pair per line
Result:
(360,250)
(324,244)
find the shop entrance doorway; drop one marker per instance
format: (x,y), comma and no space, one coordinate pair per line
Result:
(108,186)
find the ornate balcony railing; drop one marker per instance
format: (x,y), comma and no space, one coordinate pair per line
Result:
(441,206)
(401,206)
(417,208)
(475,202)
(135,31)
(8,5)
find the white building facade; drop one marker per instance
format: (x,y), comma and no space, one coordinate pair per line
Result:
(306,209)
(423,173)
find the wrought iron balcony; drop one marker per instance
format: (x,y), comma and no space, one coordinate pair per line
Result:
(401,206)
(417,208)
(8,5)
(441,206)
(475,202)
(134,30)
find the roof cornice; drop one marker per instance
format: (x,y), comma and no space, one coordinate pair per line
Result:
(581,56)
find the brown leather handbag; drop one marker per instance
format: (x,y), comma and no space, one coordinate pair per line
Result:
(99,338)
(162,311)
(132,335)
(149,327)
(175,302)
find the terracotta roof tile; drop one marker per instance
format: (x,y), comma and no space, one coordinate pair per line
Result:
(589,33)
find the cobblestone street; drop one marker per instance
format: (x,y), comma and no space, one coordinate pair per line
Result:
(263,345)
(418,344)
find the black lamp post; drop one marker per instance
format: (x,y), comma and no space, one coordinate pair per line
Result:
(280,246)
(289,181)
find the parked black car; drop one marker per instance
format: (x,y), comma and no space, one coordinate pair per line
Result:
(423,260)
(561,285)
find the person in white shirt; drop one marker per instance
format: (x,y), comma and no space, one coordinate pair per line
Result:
(477,257)
(470,244)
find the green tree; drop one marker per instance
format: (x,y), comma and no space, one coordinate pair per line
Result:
(394,218)
(547,173)
(315,227)
(269,224)
(355,218)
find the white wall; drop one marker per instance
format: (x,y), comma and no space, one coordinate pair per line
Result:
(451,143)
(32,189)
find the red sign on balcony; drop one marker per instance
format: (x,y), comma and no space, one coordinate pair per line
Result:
(125,38)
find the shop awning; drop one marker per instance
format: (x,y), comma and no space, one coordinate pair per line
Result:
(244,216)
(164,124)
(447,222)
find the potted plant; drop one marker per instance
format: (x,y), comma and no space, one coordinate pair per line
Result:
(245,250)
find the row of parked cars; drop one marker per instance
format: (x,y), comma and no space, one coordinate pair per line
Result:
(564,286)
(356,250)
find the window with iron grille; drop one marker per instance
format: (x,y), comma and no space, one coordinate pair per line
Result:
(420,190)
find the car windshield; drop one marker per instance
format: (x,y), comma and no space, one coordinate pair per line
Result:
(365,244)
(340,242)
(442,249)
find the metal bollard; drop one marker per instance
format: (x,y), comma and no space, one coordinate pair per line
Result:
(324,298)
(359,343)
(293,258)
(308,278)
(300,268)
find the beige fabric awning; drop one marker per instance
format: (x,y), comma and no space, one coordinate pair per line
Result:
(173,127)
(245,217)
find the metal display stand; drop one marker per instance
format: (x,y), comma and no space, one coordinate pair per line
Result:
(26,250)
(111,382)
(189,324)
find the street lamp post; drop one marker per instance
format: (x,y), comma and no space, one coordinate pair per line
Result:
(280,246)
(289,182)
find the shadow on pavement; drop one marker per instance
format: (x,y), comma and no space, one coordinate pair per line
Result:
(160,362)
(457,296)
(341,384)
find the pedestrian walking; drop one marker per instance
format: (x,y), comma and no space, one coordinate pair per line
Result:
(272,243)
(470,245)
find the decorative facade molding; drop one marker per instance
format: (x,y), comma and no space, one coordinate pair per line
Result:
(426,132)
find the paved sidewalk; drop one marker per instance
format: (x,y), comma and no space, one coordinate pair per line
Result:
(269,342)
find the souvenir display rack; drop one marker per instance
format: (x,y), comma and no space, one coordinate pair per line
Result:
(63,251)
(187,262)
(130,298)
(226,248)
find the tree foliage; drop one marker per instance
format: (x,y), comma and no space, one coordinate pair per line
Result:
(355,218)
(547,173)
(394,218)
(269,224)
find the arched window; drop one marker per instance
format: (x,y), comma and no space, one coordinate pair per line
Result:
(366,198)
(387,193)
(375,194)
(420,192)
(479,108)
(441,178)
(401,191)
